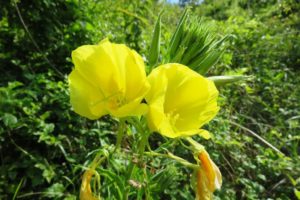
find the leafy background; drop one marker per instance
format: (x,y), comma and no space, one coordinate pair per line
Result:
(44,144)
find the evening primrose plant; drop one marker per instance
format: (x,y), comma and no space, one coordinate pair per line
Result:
(174,99)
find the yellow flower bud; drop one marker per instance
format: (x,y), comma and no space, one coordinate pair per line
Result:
(85,190)
(209,177)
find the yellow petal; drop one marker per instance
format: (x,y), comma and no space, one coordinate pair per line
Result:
(205,134)
(84,97)
(155,116)
(131,109)
(186,88)
(136,81)
(97,65)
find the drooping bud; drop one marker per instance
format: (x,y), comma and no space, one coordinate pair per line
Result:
(209,177)
(85,190)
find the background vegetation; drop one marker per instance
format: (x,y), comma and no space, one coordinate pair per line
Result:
(44,144)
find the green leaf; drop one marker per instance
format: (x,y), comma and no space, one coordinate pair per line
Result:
(18,188)
(175,40)
(48,171)
(297,193)
(155,44)
(9,120)
(115,180)
(70,197)
(211,59)
(55,190)
(12,85)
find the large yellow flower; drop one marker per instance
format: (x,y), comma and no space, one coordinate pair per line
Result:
(209,177)
(180,101)
(108,79)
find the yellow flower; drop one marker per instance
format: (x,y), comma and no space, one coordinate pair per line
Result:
(209,177)
(108,79)
(85,190)
(180,101)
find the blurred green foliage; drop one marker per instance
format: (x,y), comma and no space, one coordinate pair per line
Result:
(44,145)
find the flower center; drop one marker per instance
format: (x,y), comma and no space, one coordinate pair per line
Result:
(172,117)
(113,101)
(117,100)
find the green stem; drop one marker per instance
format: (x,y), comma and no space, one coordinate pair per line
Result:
(142,144)
(120,134)
(176,158)
(141,149)
(195,146)
(143,132)
(127,187)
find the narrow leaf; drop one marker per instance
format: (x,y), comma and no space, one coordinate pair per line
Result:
(177,35)
(18,189)
(155,44)
(209,61)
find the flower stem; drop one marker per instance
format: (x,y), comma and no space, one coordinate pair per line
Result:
(176,158)
(196,147)
(127,186)
(143,143)
(141,149)
(120,134)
